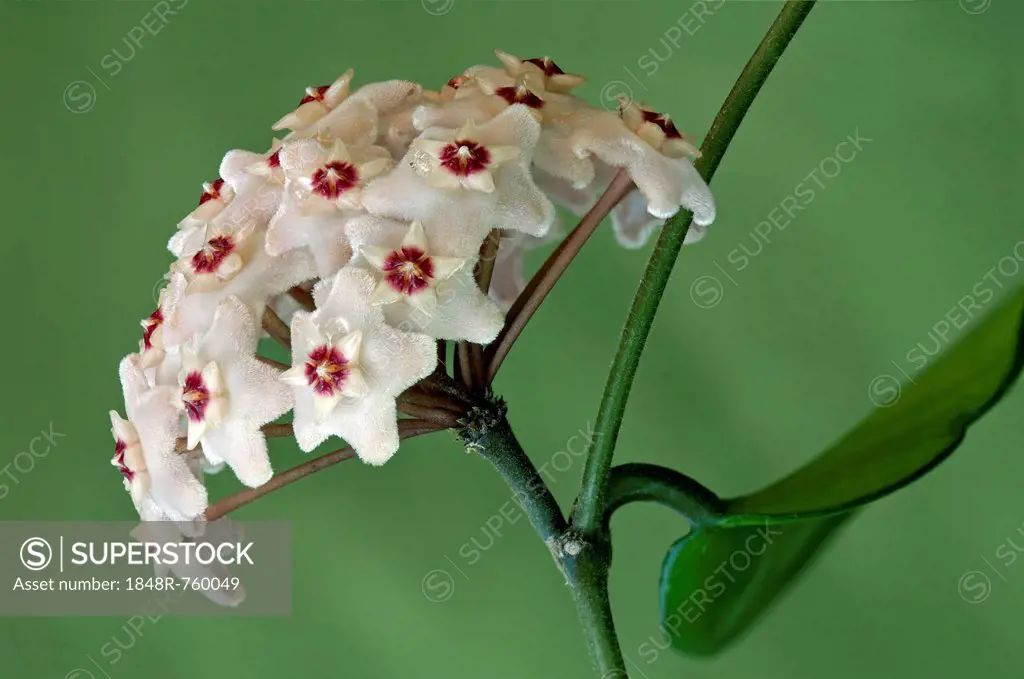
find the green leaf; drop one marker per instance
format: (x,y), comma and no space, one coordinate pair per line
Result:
(901,442)
(718,580)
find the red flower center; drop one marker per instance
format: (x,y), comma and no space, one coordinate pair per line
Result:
(333,179)
(211,191)
(545,64)
(215,251)
(326,370)
(119,447)
(408,270)
(195,395)
(662,121)
(464,157)
(458,81)
(149,327)
(520,95)
(274,159)
(314,94)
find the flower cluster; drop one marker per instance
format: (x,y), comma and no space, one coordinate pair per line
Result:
(375,203)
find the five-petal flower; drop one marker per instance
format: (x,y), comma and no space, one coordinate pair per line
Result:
(227,394)
(472,179)
(424,277)
(162,484)
(316,103)
(349,367)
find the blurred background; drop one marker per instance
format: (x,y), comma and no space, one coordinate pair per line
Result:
(774,337)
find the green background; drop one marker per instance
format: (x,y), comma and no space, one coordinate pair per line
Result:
(735,395)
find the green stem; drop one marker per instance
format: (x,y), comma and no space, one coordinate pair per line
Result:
(587,575)
(485,430)
(584,563)
(590,509)
(640,482)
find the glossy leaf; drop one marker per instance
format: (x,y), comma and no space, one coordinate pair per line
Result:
(899,443)
(719,579)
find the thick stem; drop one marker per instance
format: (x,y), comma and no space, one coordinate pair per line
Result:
(587,574)
(486,431)
(590,506)
(584,563)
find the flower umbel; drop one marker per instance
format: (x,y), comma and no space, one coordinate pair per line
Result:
(360,242)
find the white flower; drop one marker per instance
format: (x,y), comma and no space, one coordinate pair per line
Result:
(473,179)
(663,173)
(424,277)
(317,103)
(325,179)
(459,160)
(323,192)
(633,224)
(349,367)
(551,77)
(227,394)
(258,182)
(450,90)
(231,261)
(161,483)
(216,196)
(394,101)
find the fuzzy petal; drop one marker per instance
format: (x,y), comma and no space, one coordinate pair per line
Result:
(172,484)
(667,183)
(243,448)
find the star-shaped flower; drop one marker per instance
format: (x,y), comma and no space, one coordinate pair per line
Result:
(657,129)
(257,179)
(450,90)
(232,260)
(215,197)
(227,394)
(543,69)
(316,103)
(666,179)
(409,272)
(349,367)
(461,161)
(322,192)
(323,180)
(425,279)
(472,180)
(161,483)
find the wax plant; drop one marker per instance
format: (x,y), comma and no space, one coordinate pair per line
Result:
(380,241)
